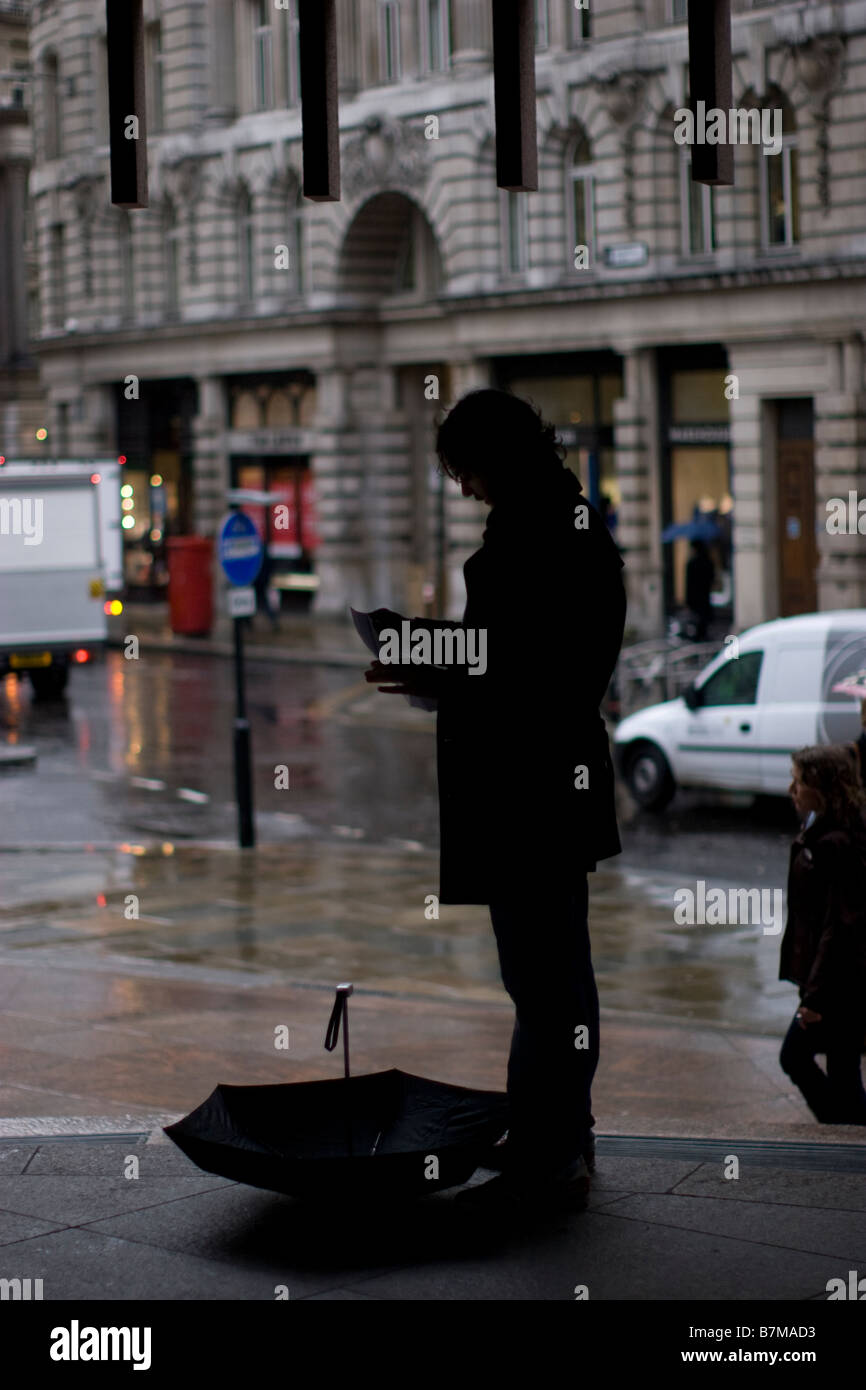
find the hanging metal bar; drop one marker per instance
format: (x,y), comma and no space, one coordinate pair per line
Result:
(126,103)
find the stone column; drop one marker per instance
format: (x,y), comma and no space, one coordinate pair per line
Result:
(210,462)
(638,468)
(92,422)
(210,474)
(336,469)
(15,181)
(385,492)
(222,98)
(753,461)
(840,471)
(464,519)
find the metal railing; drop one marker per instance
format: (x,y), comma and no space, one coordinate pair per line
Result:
(659,669)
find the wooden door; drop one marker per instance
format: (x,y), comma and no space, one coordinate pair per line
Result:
(798,547)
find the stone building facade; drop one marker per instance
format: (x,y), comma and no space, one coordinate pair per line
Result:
(698,348)
(22,408)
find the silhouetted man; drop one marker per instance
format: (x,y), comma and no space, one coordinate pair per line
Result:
(526,785)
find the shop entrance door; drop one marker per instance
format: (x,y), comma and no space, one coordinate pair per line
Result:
(798,547)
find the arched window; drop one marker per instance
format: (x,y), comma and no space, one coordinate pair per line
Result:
(389,41)
(293,55)
(171,242)
(580,197)
(780,182)
(263,70)
(698,210)
(581,23)
(154,60)
(436,34)
(57,276)
(246,251)
(246,414)
(51,106)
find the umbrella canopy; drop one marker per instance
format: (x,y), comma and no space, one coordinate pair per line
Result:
(356,1136)
(698,529)
(853,685)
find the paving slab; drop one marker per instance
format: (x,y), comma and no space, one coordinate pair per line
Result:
(841,1234)
(620,1258)
(834,1191)
(307,1249)
(108,1160)
(82,1264)
(16,1227)
(71,1200)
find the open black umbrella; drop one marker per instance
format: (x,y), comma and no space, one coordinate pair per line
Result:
(388,1133)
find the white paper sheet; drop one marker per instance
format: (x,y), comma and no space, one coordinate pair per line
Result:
(369,635)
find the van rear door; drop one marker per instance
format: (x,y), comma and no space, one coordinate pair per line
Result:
(844,657)
(50,589)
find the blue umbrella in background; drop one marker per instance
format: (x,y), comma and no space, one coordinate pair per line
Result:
(700,528)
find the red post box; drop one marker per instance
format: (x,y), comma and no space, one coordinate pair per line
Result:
(190,585)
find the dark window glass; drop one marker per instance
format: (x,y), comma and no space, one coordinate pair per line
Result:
(735,683)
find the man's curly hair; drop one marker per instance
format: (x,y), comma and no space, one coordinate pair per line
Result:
(500,438)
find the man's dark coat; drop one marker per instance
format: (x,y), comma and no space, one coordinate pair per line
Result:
(526,783)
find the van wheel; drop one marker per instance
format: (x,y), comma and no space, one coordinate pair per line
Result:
(49,684)
(649,777)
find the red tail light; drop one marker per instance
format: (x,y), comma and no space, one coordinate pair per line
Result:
(81,656)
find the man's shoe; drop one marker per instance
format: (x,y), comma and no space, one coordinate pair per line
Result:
(497,1156)
(521,1192)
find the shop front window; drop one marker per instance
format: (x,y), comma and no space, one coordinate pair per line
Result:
(699,480)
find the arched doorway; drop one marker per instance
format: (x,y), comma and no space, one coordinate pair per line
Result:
(389,253)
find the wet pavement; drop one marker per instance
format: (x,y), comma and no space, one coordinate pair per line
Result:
(144,957)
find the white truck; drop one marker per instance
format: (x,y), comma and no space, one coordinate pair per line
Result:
(61,565)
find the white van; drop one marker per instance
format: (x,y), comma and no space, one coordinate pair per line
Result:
(769,692)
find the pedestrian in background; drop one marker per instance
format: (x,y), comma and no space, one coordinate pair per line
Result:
(526,784)
(824,946)
(700,575)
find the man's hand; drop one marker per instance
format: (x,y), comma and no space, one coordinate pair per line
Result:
(403,680)
(806,1016)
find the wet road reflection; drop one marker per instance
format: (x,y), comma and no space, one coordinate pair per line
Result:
(141,756)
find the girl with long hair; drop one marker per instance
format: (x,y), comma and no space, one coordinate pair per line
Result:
(824,946)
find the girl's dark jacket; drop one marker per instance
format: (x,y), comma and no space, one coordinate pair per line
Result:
(526,783)
(824,946)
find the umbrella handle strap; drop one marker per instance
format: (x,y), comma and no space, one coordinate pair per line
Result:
(339,1014)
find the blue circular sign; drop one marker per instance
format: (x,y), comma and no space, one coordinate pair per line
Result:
(241,549)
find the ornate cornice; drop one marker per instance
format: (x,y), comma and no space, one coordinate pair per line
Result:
(385,154)
(820,64)
(623,94)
